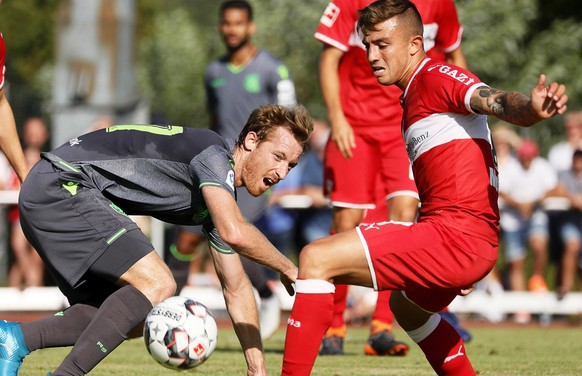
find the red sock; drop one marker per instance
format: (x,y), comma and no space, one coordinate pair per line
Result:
(339,305)
(443,347)
(306,326)
(382,311)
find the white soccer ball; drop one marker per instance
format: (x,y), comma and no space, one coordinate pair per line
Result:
(180,333)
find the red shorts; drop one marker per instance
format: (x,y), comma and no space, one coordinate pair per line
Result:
(352,183)
(430,262)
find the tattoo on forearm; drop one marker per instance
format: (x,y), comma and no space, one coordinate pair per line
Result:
(512,107)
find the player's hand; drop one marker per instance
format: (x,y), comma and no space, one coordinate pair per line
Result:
(466,291)
(550,100)
(343,136)
(288,280)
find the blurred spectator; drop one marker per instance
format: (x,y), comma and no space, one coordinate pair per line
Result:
(28,268)
(315,222)
(523,186)
(279,222)
(560,155)
(506,141)
(569,223)
(299,212)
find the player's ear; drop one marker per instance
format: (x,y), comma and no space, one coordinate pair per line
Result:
(416,44)
(252,28)
(251,141)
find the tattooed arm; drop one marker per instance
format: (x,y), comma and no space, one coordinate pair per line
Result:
(519,109)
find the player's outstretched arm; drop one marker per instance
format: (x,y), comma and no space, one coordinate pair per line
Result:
(245,238)
(516,108)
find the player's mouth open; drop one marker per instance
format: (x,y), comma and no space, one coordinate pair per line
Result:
(268,182)
(378,70)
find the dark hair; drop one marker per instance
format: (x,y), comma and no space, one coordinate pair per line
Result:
(577,153)
(267,118)
(383,10)
(237,4)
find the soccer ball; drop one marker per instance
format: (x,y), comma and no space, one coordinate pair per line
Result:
(180,333)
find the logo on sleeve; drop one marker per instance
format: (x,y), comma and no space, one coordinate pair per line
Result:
(230,179)
(459,76)
(330,14)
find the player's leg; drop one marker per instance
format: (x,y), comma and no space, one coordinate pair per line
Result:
(435,264)
(143,284)
(439,341)
(340,257)
(571,235)
(350,202)
(396,200)
(181,252)
(343,219)
(538,240)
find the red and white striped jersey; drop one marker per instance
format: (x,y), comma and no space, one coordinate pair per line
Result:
(450,149)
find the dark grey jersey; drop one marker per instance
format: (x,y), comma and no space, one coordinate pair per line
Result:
(152,170)
(233,93)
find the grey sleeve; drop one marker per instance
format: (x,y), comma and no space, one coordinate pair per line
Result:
(215,240)
(212,167)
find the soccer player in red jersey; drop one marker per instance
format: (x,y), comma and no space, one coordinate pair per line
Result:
(366,143)
(455,240)
(9,142)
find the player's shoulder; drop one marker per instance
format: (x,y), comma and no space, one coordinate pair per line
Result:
(266,57)
(444,71)
(216,65)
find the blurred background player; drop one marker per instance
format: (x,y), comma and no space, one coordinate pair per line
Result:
(365,124)
(9,142)
(237,83)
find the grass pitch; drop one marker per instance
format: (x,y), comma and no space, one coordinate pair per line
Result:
(500,350)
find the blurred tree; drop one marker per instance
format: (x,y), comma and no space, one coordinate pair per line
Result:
(171,66)
(286,29)
(509,43)
(28,29)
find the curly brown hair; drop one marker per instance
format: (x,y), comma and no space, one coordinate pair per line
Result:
(265,119)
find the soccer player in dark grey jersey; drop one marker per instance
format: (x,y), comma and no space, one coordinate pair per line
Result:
(246,77)
(74,206)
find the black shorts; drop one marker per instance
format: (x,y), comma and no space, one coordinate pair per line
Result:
(85,240)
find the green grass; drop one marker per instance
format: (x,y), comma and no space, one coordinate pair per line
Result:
(493,351)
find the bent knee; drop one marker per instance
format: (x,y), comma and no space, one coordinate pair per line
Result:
(312,263)
(159,288)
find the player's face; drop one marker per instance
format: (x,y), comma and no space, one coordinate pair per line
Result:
(270,160)
(236,28)
(388,52)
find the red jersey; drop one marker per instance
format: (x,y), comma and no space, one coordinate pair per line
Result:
(364,101)
(451,151)
(2,67)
